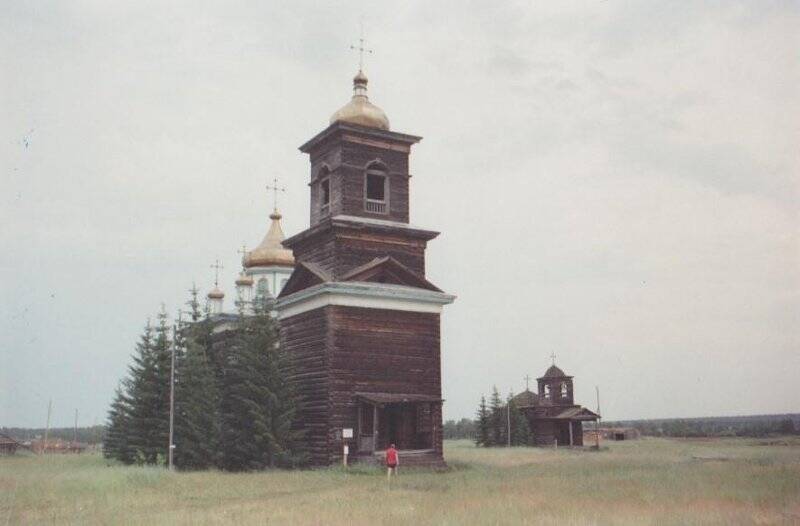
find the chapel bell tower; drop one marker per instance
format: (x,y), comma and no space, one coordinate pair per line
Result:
(358,317)
(555,386)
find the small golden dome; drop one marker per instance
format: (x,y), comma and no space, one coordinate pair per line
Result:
(360,110)
(270,251)
(244,280)
(216,294)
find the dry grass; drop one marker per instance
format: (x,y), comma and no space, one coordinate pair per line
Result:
(650,481)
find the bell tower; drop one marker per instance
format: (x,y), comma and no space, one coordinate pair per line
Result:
(358,316)
(358,167)
(556,387)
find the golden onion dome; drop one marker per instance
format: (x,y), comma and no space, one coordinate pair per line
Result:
(216,294)
(360,110)
(244,280)
(270,251)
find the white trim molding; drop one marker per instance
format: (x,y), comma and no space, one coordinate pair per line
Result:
(363,294)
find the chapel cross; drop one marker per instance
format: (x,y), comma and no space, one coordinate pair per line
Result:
(527,382)
(553,357)
(217,266)
(275,189)
(361,49)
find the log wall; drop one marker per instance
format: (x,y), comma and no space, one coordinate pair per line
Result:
(305,338)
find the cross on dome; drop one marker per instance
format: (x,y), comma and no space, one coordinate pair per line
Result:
(217,266)
(275,189)
(361,49)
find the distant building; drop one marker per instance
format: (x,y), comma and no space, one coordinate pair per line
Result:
(552,414)
(8,446)
(619,433)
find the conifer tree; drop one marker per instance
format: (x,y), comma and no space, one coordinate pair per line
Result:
(162,348)
(497,419)
(116,442)
(258,403)
(483,433)
(196,408)
(143,397)
(520,430)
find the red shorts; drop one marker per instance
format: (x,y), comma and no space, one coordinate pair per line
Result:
(392,466)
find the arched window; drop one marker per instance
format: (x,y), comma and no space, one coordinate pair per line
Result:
(547,391)
(324,190)
(564,390)
(376,188)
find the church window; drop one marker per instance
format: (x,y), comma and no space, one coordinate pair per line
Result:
(547,391)
(262,287)
(325,187)
(376,189)
(564,390)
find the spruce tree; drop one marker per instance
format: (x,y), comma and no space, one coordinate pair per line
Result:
(196,409)
(258,403)
(520,430)
(162,348)
(143,397)
(116,442)
(483,433)
(497,419)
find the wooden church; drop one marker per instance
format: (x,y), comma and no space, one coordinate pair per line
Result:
(357,314)
(552,414)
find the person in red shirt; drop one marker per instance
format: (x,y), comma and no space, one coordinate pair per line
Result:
(392,461)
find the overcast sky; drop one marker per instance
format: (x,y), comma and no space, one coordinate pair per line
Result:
(615,182)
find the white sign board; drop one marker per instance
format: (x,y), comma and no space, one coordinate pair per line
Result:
(347,432)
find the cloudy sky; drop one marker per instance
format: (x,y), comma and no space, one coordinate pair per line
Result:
(615,182)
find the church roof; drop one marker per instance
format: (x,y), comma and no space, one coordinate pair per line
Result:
(577,413)
(244,279)
(360,110)
(270,251)
(554,372)
(388,270)
(526,398)
(216,294)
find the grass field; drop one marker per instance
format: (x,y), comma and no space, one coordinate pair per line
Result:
(651,481)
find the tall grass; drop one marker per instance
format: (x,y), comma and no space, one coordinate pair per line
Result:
(651,481)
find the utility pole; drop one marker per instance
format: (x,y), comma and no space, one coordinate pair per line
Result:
(47,427)
(597,422)
(508,419)
(172,397)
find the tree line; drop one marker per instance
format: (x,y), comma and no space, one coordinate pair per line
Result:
(234,406)
(741,426)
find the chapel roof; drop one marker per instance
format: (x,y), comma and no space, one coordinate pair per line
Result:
(270,251)
(216,294)
(526,398)
(554,372)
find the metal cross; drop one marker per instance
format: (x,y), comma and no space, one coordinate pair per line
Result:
(527,382)
(217,266)
(243,250)
(275,189)
(553,357)
(361,49)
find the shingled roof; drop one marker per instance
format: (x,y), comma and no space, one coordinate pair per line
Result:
(554,372)
(526,398)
